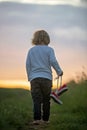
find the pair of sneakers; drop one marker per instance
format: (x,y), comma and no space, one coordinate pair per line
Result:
(55,95)
(39,122)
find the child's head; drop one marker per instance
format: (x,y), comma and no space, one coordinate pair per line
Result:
(41,37)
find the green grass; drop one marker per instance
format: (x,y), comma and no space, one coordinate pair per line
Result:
(16,109)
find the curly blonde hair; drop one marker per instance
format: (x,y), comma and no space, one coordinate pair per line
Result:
(40,37)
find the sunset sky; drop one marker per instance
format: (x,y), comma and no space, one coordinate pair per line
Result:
(64,20)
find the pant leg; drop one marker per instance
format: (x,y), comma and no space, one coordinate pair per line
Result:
(46,90)
(37,98)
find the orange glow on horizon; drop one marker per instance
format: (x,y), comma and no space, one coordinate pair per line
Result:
(17,84)
(22,84)
(14,84)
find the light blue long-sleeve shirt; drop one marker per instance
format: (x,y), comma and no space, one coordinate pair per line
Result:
(39,61)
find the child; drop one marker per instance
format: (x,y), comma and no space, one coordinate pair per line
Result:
(39,61)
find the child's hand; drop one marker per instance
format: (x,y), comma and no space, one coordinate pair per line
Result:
(61,74)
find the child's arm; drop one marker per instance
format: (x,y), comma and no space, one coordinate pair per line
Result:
(55,63)
(28,66)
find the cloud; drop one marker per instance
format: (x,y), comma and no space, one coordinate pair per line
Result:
(59,15)
(51,2)
(64,23)
(72,34)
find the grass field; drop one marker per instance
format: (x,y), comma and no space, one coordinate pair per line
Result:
(16,110)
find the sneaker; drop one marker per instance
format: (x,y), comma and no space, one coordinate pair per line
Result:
(55,97)
(62,89)
(45,122)
(36,122)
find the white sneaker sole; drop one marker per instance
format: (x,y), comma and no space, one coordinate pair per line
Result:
(56,99)
(62,91)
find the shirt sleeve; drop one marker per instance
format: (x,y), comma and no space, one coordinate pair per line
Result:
(28,65)
(54,63)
